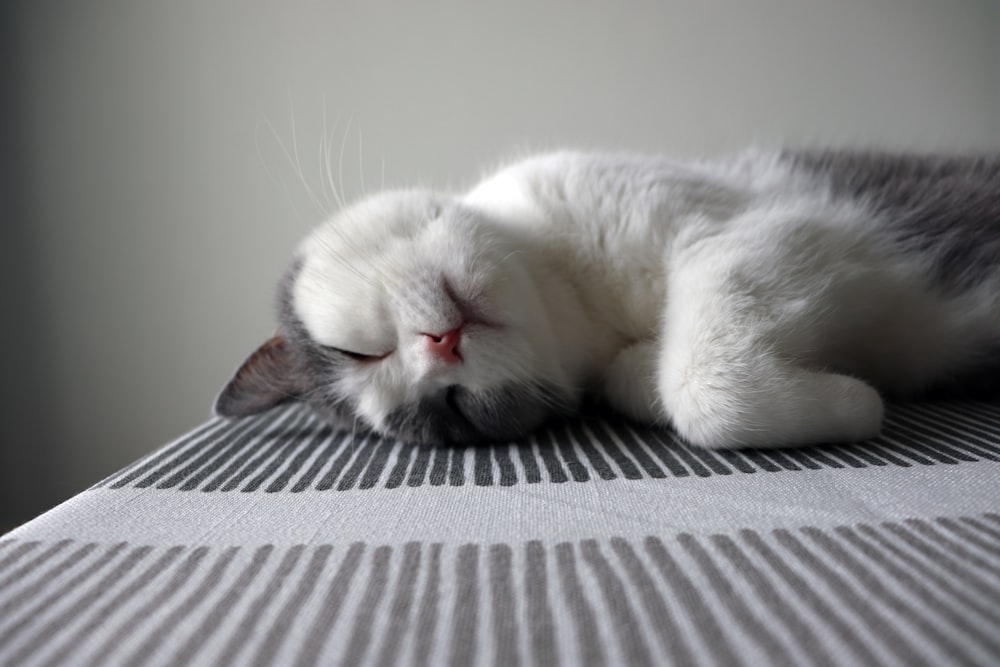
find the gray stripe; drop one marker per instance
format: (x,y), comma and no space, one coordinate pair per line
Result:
(350,448)
(508,473)
(586,445)
(690,598)
(504,605)
(955,434)
(399,613)
(420,464)
(587,634)
(32,591)
(623,619)
(731,600)
(813,600)
(264,454)
(577,470)
(766,593)
(465,618)
(963,423)
(211,621)
(874,586)
(373,473)
(663,622)
(365,616)
(954,547)
(144,465)
(930,601)
(121,634)
(428,614)
(404,452)
(482,466)
(278,428)
(981,527)
(456,468)
(329,447)
(321,439)
(245,629)
(298,442)
(925,432)
(368,448)
(627,467)
(961,531)
(155,638)
(944,561)
(541,627)
(932,576)
(289,611)
(627,437)
(266,450)
(210,456)
(329,610)
(439,470)
(100,616)
(547,452)
(17,553)
(532,473)
(686,455)
(873,618)
(971,429)
(20,573)
(62,591)
(45,633)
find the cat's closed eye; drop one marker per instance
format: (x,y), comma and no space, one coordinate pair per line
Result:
(357,356)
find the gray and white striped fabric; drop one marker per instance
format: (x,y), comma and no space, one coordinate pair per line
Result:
(276,541)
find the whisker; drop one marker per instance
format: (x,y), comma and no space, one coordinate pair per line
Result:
(361,162)
(298,170)
(322,177)
(340,159)
(328,149)
(275,179)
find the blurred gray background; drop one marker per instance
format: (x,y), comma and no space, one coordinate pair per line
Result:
(160,160)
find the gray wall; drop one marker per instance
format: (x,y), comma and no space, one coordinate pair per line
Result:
(151,206)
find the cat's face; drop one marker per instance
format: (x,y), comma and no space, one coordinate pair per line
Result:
(410,315)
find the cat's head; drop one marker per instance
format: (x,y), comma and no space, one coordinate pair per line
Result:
(409,314)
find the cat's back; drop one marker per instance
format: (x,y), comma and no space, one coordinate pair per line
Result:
(944,209)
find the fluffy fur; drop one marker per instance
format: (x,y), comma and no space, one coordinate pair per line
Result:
(758,300)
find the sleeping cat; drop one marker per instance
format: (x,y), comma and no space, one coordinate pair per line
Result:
(767,299)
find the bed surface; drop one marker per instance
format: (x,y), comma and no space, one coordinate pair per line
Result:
(275,540)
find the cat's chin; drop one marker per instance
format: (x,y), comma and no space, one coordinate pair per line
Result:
(456,415)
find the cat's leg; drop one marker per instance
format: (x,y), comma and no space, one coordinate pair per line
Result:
(630,383)
(725,381)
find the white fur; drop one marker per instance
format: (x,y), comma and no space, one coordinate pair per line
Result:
(731,299)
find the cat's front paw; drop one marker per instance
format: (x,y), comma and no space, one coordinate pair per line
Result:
(795,407)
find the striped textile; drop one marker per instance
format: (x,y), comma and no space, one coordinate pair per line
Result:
(276,541)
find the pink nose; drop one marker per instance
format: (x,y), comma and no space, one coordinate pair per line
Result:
(445,346)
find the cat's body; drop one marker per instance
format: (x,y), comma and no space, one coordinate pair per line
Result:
(756,300)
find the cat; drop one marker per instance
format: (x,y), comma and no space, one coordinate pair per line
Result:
(765,299)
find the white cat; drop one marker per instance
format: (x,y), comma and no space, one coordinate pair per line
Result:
(758,300)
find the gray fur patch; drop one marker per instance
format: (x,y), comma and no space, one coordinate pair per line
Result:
(457,415)
(945,206)
(313,367)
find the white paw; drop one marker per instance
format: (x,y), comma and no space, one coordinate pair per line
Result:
(789,408)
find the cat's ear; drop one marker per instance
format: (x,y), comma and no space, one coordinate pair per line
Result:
(264,380)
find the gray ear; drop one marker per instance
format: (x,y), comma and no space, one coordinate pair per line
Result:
(265,379)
